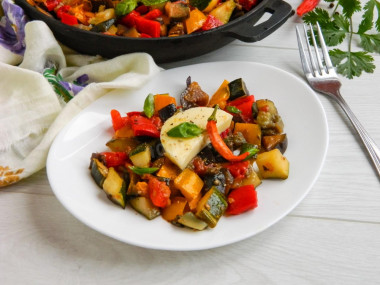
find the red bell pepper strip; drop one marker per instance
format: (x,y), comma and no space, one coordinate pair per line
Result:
(129,20)
(61,10)
(159,192)
(244,104)
(149,27)
(217,141)
(211,23)
(153,14)
(143,126)
(51,4)
(112,159)
(248,4)
(117,120)
(241,200)
(306,6)
(238,169)
(68,19)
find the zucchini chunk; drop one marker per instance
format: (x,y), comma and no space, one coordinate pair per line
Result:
(145,207)
(98,171)
(141,155)
(191,221)
(114,187)
(237,89)
(123,144)
(211,207)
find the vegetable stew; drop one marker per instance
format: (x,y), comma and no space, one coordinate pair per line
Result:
(194,162)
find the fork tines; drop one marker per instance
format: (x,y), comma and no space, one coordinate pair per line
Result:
(314,64)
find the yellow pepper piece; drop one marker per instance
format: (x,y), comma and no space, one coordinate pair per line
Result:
(195,21)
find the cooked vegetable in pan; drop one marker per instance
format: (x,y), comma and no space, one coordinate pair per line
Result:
(145,18)
(196,162)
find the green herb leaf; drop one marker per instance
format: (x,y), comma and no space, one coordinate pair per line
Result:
(149,105)
(317,15)
(143,170)
(352,64)
(125,7)
(233,110)
(350,7)
(185,130)
(152,2)
(370,43)
(250,148)
(367,19)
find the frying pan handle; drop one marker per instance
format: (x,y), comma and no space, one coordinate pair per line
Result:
(247,32)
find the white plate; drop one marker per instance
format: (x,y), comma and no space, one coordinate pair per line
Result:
(305,125)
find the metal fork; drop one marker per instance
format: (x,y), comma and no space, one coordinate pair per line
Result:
(321,76)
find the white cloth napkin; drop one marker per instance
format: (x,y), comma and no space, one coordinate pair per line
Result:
(32,114)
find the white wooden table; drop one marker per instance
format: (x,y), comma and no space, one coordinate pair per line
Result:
(332,237)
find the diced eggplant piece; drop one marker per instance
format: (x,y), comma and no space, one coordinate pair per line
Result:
(237,89)
(217,180)
(98,171)
(211,207)
(141,155)
(166,112)
(114,187)
(177,11)
(235,141)
(178,29)
(103,26)
(268,118)
(276,141)
(210,155)
(193,95)
(145,207)
(156,149)
(191,221)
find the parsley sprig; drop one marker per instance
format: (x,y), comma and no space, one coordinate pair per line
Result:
(337,25)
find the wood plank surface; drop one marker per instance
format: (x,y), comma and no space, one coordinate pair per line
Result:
(332,237)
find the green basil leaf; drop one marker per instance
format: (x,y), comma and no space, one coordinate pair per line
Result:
(143,170)
(233,109)
(149,106)
(250,148)
(125,7)
(185,130)
(152,2)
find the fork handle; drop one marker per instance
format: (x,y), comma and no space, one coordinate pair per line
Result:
(368,142)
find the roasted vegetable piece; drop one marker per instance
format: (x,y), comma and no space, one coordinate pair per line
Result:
(103,26)
(221,96)
(145,207)
(252,178)
(217,181)
(268,118)
(177,11)
(189,183)
(273,164)
(224,11)
(169,170)
(114,187)
(251,132)
(193,95)
(177,29)
(175,209)
(98,171)
(195,21)
(159,192)
(238,169)
(141,155)
(123,144)
(243,106)
(112,159)
(241,200)
(133,180)
(166,112)
(163,100)
(237,89)
(191,221)
(275,141)
(211,207)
